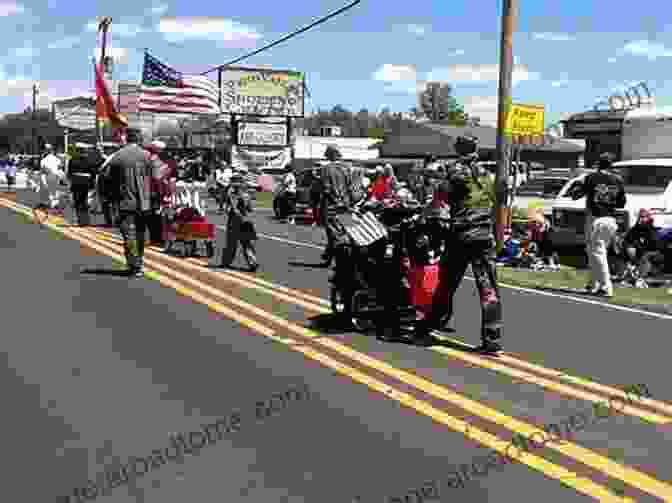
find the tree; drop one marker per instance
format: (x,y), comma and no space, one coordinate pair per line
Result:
(439,105)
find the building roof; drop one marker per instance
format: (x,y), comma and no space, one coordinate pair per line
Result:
(592,115)
(313,147)
(439,140)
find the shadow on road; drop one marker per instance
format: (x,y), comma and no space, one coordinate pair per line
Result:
(318,265)
(105,272)
(224,268)
(330,324)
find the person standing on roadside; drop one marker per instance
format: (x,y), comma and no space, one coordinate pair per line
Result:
(8,166)
(605,193)
(335,198)
(82,169)
(130,172)
(52,178)
(289,195)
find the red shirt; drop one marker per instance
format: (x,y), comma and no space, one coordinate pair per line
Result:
(381,188)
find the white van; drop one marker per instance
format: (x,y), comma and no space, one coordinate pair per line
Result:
(646,168)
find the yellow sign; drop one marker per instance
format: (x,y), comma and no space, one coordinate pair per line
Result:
(525,120)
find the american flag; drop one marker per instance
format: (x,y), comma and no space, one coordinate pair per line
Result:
(366,229)
(165,90)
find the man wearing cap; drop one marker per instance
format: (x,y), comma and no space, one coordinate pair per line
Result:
(605,193)
(130,171)
(335,198)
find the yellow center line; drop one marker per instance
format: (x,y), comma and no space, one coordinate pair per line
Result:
(586,456)
(551,470)
(465,357)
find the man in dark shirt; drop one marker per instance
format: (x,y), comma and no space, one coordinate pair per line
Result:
(82,169)
(605,193)
(130,171)
(335,198)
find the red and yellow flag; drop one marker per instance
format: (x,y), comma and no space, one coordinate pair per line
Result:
(105,109)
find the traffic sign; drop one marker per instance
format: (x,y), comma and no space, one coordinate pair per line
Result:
(525,120)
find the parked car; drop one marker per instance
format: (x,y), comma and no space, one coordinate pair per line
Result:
(648,185)
(542,190)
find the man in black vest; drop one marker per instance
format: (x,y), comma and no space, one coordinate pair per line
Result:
(470,241)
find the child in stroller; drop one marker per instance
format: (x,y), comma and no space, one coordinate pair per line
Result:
(185,224)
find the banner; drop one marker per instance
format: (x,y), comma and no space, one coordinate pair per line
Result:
(262,134)
(260,159)
(76,113)
(262,92)
(525,120)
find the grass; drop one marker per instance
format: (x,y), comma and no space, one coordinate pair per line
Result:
(571,278)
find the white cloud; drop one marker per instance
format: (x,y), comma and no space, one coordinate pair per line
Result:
(65,43)
(611,60)
(232,33)
(560,83)
(484,107)
(26,51)
(16,88)
(479,73)
(395,73)
(651,50)
(11,8)
(416,29)
(458,52)
(553,37)
(159,10)
(121,29)
(119,55)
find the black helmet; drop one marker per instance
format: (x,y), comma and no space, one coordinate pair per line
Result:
(332,153)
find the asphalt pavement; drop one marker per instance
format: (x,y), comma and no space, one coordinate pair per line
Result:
(135,360)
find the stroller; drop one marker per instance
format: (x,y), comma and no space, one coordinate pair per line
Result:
(184,224)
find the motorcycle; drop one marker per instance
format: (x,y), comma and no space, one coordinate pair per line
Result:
(403,263)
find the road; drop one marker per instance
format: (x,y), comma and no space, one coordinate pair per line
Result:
(129,361)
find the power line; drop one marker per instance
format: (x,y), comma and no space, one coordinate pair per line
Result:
(286,37)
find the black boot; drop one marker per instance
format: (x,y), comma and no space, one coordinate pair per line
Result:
(489,340)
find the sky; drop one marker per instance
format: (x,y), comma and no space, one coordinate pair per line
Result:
(568,53)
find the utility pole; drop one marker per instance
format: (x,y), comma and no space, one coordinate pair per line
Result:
(103,27)
(36,147)
(435,102)
(505,77)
